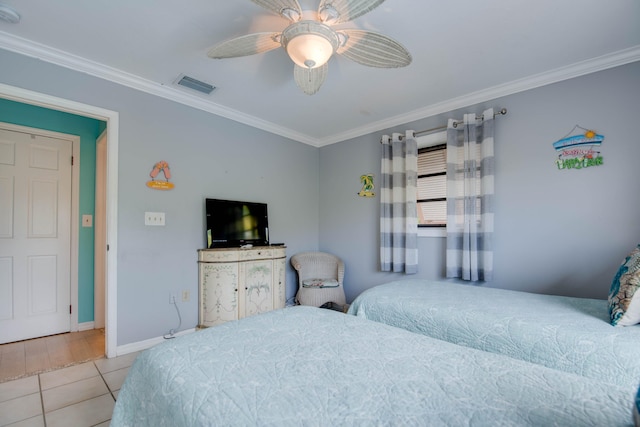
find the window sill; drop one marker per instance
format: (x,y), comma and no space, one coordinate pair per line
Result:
(432,231)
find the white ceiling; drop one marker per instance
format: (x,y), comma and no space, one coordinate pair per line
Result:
(463,51)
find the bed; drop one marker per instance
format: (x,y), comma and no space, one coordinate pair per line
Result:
(317,367)
(564,333)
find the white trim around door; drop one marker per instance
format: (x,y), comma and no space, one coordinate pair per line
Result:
(112,120)
(99,232)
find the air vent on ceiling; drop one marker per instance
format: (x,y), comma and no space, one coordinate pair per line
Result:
(194,84)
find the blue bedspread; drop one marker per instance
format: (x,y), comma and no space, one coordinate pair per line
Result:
(569,334)
(314,367)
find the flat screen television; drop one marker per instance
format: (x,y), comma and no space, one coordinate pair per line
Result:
(233,223)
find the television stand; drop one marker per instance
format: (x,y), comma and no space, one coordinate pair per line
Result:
(239,282)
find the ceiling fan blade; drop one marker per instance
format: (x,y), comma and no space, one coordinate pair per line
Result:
(289,9)
(310,79)
(245,45)
(337,11)
(373,49)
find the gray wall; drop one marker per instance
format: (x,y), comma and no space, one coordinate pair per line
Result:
(559,232)
(209,156)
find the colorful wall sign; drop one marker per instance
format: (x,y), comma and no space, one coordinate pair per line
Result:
(367,186)
(163,167)
(580,150)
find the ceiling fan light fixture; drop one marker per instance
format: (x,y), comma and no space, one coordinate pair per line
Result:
(310,41)
(309,50)
(309,44)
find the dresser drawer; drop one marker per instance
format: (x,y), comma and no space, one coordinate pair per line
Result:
(241,254)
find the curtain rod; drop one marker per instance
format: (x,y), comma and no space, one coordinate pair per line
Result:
(502,112)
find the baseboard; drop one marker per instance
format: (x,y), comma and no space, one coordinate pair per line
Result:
(86,326)
(143,345)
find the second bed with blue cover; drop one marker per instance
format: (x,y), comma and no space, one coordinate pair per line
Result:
(564,333)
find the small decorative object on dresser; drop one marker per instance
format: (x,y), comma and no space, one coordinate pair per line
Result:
(239,282)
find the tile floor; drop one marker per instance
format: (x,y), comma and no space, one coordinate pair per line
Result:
(80,396)
(37,355)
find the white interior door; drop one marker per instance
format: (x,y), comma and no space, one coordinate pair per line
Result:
(35,235)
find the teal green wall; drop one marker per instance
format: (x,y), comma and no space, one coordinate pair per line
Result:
(88,130)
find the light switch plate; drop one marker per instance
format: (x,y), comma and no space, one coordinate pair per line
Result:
(154,218)
(87,220)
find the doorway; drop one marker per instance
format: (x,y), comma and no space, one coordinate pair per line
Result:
(111,119)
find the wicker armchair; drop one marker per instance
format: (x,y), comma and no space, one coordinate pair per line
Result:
(320,277)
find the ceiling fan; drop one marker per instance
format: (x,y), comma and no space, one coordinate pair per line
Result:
(310,41)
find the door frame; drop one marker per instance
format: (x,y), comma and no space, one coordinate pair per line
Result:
(99,229)
(74,229)
(112,120)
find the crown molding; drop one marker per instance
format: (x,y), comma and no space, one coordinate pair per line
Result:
(578,69)
(76,63)
(64,59)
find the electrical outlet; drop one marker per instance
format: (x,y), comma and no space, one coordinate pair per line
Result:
(185,296)
(173,298)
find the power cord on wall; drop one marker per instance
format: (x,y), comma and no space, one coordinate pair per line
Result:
(172,332)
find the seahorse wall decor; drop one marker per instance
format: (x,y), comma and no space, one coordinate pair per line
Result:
(367,186)
(163,167)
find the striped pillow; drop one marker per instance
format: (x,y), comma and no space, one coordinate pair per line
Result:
(624,296)
(636,410)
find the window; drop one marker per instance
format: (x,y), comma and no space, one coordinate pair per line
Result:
(432,186)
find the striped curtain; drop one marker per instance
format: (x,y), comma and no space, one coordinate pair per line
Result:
(470,193)
(398,214)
